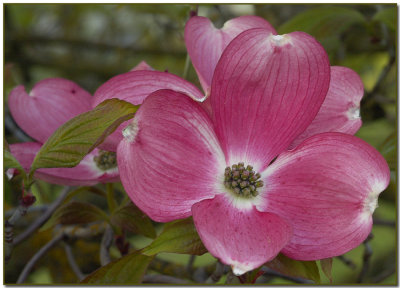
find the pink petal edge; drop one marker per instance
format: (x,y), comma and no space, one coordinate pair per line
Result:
(170,157)
(327,189)
(51,103)
(340,111)
(244,239)
(134,87)
(142,66)
(205,43)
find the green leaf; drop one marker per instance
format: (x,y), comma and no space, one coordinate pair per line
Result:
(179,236)
(388,150)
(388,17)
(79,190)
(323,21)
(294,268)
(80,135)
(374,132)
(129,269)
(6,146)
(326,265)
(75,213)
(131,218)
(11,162)
(368,65)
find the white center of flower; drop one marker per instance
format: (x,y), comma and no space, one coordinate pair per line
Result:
(106,160)
(131,131)
(242,181)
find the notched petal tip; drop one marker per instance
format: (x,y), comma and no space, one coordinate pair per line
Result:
(354,113)
(142,66)
(371,200)
(371,203)
(239,270)
(280,40)
(130,132)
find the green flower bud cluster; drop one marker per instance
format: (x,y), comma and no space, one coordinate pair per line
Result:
(106,160)
(243,181)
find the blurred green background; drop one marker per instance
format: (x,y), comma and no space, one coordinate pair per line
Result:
(90,43)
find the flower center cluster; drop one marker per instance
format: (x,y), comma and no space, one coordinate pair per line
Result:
(106,160)
(242,181)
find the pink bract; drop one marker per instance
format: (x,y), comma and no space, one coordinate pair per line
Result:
(312,202)
(338,114)
(205,43)
(85,174)
(51,103)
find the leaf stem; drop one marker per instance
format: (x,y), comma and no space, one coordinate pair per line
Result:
(187,66)
(112,203)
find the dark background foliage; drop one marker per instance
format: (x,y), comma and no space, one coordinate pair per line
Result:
(91,43)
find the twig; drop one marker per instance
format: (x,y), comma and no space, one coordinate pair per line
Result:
(37,208)
(72,263)
(347,262)
(42,219)
(106,242)
(217,274)
(9,230)
(155,278)
(76,232)
(167,268)
(230,277)
(385,274)
(366,257)
(14,129)
(69,232)
(189,266)
(28,267)
(269,272)
(199,274)
(382,222)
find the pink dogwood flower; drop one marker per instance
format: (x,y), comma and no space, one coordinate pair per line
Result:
(231,166)
(51,103)
(205,44)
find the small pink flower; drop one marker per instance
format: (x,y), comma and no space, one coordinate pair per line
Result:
(51,103)
(230,167)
